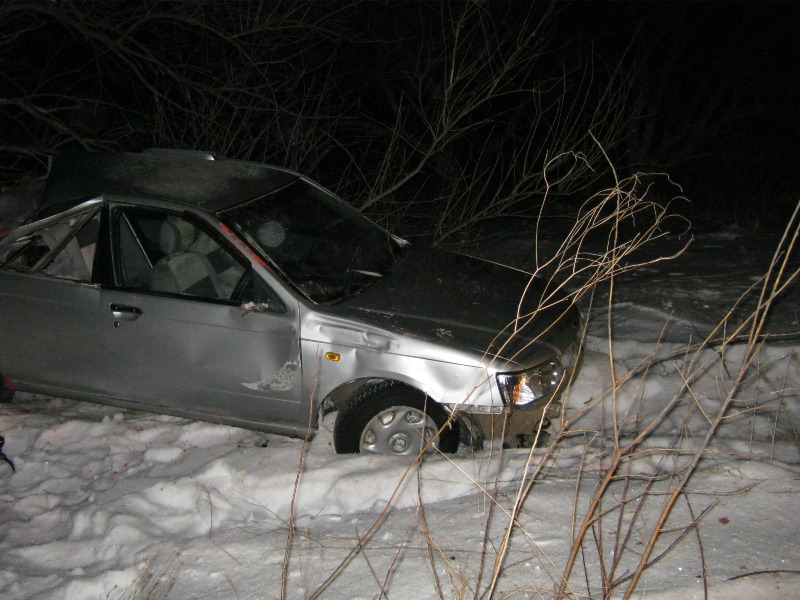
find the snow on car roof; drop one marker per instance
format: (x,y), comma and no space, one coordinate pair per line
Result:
(177,176)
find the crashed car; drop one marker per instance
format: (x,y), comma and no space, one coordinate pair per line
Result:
(246,294)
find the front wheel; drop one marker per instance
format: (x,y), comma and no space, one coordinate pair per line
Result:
(392,418)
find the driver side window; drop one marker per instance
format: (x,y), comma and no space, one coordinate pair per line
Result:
(171,253)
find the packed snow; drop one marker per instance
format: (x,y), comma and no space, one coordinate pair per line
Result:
(111,504)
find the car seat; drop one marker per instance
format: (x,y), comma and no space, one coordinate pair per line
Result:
(181,270)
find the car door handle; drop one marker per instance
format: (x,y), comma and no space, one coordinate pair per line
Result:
(125,313)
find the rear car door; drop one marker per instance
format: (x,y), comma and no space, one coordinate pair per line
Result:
(49,331)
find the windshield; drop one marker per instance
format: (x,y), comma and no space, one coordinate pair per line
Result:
(325,248)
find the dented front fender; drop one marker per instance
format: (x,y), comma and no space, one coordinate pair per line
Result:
(336,351)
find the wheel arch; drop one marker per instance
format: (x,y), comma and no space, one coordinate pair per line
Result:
(338,396)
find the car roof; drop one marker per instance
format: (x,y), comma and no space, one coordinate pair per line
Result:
(182,177)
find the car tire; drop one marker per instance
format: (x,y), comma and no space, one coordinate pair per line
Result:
(389,418)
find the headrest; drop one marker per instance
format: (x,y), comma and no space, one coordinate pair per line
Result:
(176,236)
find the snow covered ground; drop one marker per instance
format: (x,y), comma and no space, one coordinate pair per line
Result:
(116,504)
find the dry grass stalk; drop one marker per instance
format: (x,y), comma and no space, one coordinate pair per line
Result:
(290,529)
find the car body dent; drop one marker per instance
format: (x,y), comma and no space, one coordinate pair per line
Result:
(449,376)
(281,380)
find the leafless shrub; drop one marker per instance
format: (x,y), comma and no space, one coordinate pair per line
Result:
(432,118)
(233,78)
(609,212)
(481,116)
(632,505)
(607,516)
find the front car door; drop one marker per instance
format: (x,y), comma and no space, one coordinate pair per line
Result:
(176,331)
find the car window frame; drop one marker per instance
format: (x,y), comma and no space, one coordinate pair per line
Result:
(85,211)
(111,270)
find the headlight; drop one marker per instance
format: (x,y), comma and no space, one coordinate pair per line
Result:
(524,387)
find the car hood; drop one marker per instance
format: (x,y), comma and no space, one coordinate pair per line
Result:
(465,303)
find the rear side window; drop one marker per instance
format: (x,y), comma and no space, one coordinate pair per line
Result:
(63,249)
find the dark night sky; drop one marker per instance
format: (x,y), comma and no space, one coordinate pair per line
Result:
(727,73)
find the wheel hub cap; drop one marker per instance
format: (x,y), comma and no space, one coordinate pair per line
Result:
(399,430)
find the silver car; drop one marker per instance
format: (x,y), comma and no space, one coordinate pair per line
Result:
(246,294)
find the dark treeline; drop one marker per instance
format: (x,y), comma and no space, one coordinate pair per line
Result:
(434,116)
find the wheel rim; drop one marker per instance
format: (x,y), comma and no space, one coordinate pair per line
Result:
(399,430)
